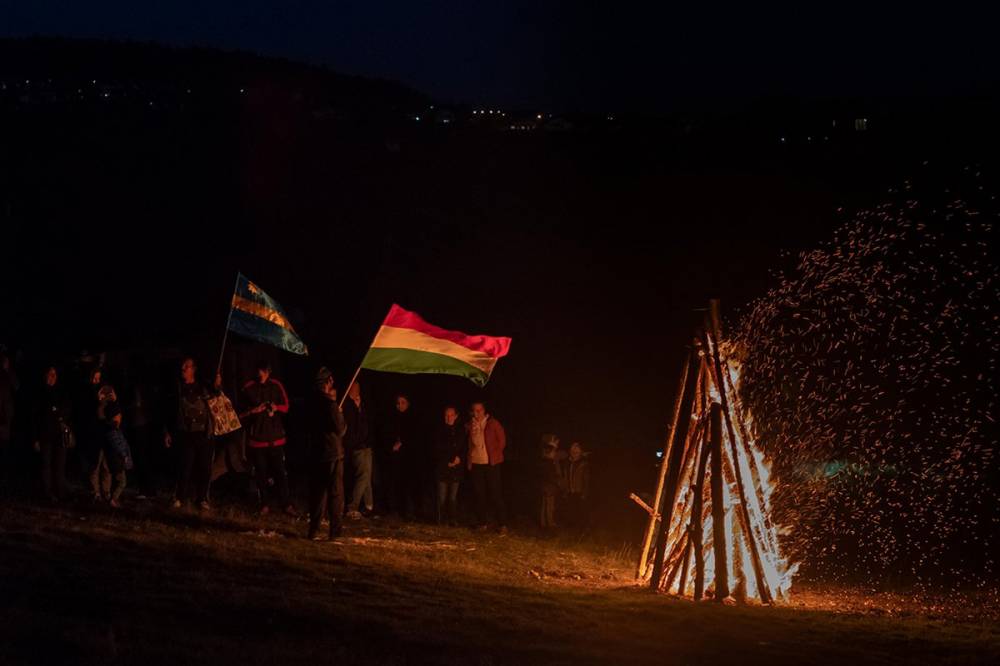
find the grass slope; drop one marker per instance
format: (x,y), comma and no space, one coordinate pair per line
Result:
(149,586)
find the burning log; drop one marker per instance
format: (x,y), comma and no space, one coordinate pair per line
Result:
(680,551)
(718,507)
(682,583)
(669,497)
(762,589)
(698,523)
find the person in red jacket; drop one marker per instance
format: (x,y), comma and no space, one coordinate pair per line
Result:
(485,460)
(264,405)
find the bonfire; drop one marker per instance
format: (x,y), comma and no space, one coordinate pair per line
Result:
(710,530)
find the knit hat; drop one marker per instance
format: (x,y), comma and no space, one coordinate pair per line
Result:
(322,376)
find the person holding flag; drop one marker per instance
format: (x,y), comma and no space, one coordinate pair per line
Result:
(255,315)
(265,403)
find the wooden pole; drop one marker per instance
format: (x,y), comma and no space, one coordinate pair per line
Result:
(638,500)
(713,348)
(682,583)
(739,575)
(741,426)
(225,334)
(673,467)
(718,507)
(357,372)
(658,496)
(353,379)
(679,550)
(698,522)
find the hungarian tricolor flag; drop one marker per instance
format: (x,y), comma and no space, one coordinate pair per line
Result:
(408,344)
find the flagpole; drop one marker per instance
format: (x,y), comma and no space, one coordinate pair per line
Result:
(358,371)
(225,335)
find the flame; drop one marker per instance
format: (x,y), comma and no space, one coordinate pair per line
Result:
(758,487)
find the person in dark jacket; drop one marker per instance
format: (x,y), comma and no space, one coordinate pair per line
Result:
(449,465)
(188,430)
(326,453)
(90,420)
(264,405)
(52,434)
(576,472)
(358,446)
(403,459)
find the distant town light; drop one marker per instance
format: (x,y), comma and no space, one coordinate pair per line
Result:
(539,116)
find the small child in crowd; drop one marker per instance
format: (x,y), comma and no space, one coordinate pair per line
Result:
(550,479)
(577,484)
(117,451)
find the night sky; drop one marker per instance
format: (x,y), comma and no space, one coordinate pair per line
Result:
(622,56)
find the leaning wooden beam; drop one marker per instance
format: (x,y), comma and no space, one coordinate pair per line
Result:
(654,516)
(669,497)
(698,522)
(739,575)
(677,561)
(755,473)
(763,590)
(682,583)
(718,507)
(638,500)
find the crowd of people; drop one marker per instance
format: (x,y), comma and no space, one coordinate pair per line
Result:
(358,464)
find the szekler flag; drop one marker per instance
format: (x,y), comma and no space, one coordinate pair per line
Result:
(406,343)
(256,315)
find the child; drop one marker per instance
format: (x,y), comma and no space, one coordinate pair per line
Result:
(117,452)
(550,478)
(577,483)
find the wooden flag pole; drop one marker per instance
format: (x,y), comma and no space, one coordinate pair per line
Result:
(225,335)
(357,372)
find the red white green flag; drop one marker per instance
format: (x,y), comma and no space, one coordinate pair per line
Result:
(406,343)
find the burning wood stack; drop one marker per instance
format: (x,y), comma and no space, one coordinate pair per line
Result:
(709,531)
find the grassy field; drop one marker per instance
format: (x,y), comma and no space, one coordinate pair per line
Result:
(151,586)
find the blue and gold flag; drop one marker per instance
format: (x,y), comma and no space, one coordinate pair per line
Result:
(256,315)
